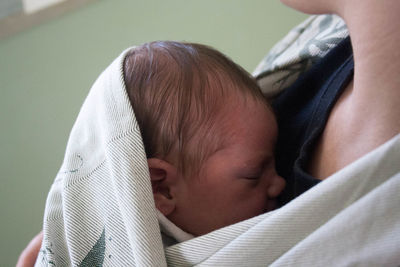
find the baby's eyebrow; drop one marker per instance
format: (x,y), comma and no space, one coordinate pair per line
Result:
(259,161)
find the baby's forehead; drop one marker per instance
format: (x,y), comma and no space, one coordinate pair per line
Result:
(233,115)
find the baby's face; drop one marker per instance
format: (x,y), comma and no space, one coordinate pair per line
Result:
(238,181)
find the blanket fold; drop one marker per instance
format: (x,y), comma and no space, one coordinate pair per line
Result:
(91,218)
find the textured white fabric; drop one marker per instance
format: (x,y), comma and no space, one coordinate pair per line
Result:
(350,219)
(100,209)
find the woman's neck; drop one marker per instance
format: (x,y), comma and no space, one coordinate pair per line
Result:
(367,114)
(375,33)
(375,40)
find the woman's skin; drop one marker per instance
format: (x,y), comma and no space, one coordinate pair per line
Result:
(30,253)
(367,113)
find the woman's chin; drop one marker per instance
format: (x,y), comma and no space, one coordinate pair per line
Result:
(309,7)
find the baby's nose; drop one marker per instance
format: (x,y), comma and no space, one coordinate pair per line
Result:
(276,186)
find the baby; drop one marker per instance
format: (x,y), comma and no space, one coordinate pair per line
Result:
(208,132)
(209,136)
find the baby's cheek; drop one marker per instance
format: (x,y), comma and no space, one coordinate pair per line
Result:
(258,202)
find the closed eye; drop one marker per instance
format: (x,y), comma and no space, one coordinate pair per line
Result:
(254,176)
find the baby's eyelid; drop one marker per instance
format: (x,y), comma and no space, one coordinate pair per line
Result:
(262,170)
(256,174)
(256,177)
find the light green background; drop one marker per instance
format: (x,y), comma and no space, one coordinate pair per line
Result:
(46,71)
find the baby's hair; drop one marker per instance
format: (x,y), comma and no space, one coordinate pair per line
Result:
(178,91)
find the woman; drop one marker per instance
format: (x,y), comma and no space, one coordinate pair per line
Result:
(335,130)
(359,111)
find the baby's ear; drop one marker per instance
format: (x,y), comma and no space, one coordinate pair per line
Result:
(163,177)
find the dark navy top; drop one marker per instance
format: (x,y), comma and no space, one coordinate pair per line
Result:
(302,111)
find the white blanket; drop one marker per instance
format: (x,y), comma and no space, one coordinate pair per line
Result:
(100,209)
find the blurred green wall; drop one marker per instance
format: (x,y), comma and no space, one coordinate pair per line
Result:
(46,72)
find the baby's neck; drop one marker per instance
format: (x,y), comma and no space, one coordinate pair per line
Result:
(171,232)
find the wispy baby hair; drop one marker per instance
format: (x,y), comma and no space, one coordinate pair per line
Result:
(178,91)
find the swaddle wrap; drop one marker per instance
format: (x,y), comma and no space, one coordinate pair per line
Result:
(100,210)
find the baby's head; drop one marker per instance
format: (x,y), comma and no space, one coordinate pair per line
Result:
(208,133)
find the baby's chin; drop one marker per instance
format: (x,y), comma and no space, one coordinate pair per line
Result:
(271,205)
